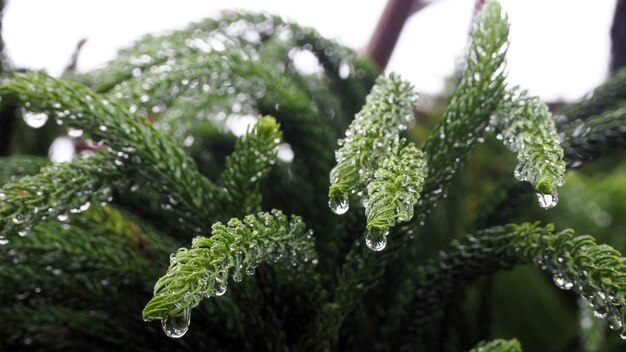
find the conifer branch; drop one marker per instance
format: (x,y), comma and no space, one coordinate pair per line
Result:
(250,163)
(479,93)
(393,192)
(133,144)
(526,127)
(58,191)
(587,139)
(498,346)
(239,246)
(607,95)
(373,159)
(594,271)
(373,133)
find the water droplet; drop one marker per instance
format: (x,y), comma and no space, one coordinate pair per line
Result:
(188,142)
(339,204)
(62,217)
(35,120)
(623,335)
(600,312)
(615,322)
(376,239)
(562,283)
(176,327)
(548,200)
(220,289)
(237,276)
(17,219)
(72,132)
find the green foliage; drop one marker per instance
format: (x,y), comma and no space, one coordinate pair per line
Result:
(608,95)
(170,157)
(250,163)
(367,161)
(57,191)
(526,127)
(593,271)
(204,270)
(477,96)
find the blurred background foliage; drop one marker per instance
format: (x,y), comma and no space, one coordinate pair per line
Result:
(48,311)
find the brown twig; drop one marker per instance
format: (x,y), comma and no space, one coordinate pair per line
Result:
(388,29)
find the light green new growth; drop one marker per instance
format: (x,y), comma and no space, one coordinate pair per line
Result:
(525,125)
(132,143)
(57,191)
(498,346)
(232,249)
(475,99)
(254,154)
(372,158)
(393,192)
(373,133)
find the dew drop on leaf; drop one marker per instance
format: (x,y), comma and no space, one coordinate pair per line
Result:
(220,289)
(562,283)
(339,204)
(35,120)
(376,239)
(547,201)
(176,327)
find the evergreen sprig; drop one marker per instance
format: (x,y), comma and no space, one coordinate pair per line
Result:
(525,125)
(605,96)
(373,133)
(132,143)
(393,192)
(594,271)
(254,154)
(498,346)
(58,191)
(372,158)
(232,249)
(478,95)
(585,139)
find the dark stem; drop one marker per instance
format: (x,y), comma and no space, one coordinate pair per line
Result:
(387,31)
(618,37)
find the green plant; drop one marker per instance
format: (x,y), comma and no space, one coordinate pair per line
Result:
(83,243)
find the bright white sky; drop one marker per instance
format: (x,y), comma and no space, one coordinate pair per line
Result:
(559,48)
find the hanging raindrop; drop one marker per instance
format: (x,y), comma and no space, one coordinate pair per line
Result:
(376,239)
(548,200)
(562,283)
(615,322)
(339,204)
(176,327)
(35,120)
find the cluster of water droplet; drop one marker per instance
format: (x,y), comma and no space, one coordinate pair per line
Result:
(603,297)
(232,250)
(373,158)
(394,191)
(34,200)
(525,125)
